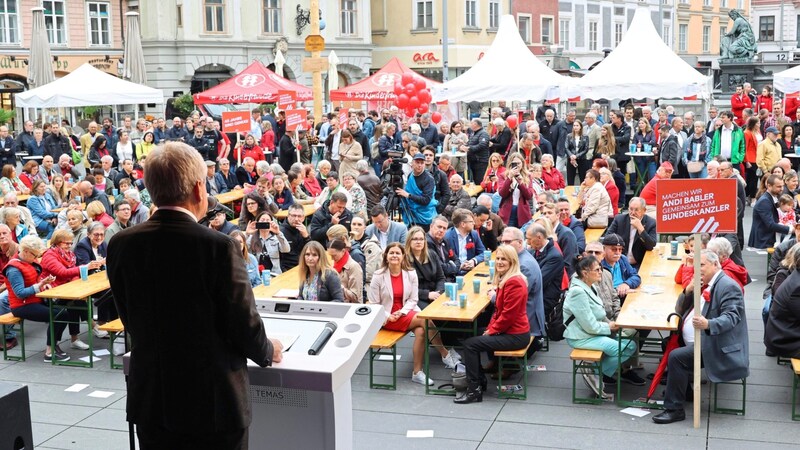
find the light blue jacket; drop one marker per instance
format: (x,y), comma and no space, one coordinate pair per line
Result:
(41,207)
(585,305)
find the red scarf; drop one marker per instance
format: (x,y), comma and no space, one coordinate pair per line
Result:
(66,257)
(339,265)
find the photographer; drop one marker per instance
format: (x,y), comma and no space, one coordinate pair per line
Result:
(420,206)
(477,149)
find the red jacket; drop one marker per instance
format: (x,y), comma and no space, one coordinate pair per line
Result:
(763,102)
(739,103)
(790,107)
(30,274)
(507,202)
(750,146)
(613,193)
(685,274)
(553,181)
(52,264)
(487,184)
(254,152)
(510,306)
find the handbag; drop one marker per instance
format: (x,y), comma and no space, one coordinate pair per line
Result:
(695,166)
(76,157)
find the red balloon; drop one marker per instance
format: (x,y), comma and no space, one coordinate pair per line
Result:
(420,84)
(410,112)
(401,101)
(436,117)
(512,121)
(411,90)
(422,108)
(407,78)
(398,88)
(424,96)
(413,102)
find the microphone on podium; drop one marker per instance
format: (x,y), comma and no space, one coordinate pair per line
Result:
(323,338)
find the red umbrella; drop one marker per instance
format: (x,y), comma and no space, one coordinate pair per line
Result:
(673,342)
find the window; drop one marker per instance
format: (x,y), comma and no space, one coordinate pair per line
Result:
(563,33)
(349,26)
(666,36)
(723,3)
(9,22)
(471,14)
(766,28)
(494,14)
(547,30)
(214,16)
(707,3)
(617,34)
(593,36)
(55,21)
(706,38)
(683,30)
(524,24)
(99,23)
(272,16)
(424,14)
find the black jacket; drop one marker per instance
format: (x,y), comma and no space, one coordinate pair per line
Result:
(186,260)
(243,177)
(643,242)
(329,290)
(430,134)
(57,145)
(296,244)
(288,152)
(564,133)
(551,264)
(430,276)
(321,221)
(443,193)
(782,333)
(622,136)
(500,142)
(478,146)
(8,154)
(447,256)
(549,131)
(580,150)
(203,146)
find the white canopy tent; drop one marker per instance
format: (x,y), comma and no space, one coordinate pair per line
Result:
(507,71)
(787,81)
(87,86)
(642,65)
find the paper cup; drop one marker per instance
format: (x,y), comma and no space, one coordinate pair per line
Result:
(84,272)
(476,286)
(460,282)
(265,277)
(462,300)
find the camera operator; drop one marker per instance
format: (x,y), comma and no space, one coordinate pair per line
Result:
(420,206)
(477,149)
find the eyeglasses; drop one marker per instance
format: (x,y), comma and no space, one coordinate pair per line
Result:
(98,234)
(597,269)
(509,241)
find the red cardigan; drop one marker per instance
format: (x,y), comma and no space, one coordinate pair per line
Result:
(487,184)
(510,315)
(507,202)
(53,265)
(553,181)
(613,194)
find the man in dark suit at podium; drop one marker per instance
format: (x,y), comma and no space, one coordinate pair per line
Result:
(173,278)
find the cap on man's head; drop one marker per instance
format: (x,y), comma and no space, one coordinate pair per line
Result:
(210,163)
(666,165)
(613,240)
(772,130)
(419,156)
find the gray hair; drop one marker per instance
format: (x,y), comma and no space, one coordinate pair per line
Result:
(133,193)
(547,156)
(499,122)
(406,135)
(484,200)
(12,210)
(440,218)
(457,177)
(362,166)
(32,243)
(262,167)
(711,257)
(107,158)
(721,246)
(426,116)
(415,128)
(173,170)
(296,167)
(515,233)
(538,229)
(276,168)
(324,163)
(97,225)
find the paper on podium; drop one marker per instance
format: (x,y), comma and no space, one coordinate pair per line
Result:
(287,293)
(287,340)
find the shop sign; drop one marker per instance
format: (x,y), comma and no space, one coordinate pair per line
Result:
(424,58)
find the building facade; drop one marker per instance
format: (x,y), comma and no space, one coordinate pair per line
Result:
(538,24)
(79,32)
(412,32)
(700,25)
(776,24)
(192,45)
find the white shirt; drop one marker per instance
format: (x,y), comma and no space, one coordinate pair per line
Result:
(462,246)
(335,146)
(726,141)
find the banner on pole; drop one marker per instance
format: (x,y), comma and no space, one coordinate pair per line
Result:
(285,98)
(696,206)
(236,121)
(296,118)
(344,114)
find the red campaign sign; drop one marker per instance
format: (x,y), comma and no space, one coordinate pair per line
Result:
(285,98)
(696,206)
(296,118)
(344,114)
(236,121)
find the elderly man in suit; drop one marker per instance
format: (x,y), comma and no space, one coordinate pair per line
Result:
(637,230)
(221,309)
(551,264)
(765,216)
(566,238)
(530,268)
(385,230)
(724,343)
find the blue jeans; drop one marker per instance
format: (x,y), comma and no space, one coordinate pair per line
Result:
(610,348)
(5,309)
(765,310)
(45,229)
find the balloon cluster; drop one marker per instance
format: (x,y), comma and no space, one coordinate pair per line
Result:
(413,97)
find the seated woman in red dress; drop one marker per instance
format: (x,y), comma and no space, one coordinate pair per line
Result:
(396,286)
(553,178)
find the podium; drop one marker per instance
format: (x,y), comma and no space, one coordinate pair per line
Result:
(15,417)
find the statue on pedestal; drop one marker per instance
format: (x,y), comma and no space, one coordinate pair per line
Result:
(739,44)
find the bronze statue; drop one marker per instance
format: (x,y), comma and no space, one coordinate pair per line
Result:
(739,44)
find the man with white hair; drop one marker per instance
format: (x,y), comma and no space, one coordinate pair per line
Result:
(591,129)
(427,131)
(549,128)
(25,216)
(245,173)
(139,213)
(68,170)
(415,130)
(459,197)
(724,250)
(487,201)
(647,113)
(530,269)
(109,171)
(598,112)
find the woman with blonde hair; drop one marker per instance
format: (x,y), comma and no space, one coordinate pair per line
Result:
(515,192)
(318,281)
(606,145)
(59,190)
(395,287)
(508,329)
(250,262)
(97,213)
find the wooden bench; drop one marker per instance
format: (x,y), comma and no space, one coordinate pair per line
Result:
(518,360)
(114,328)
(18,325)
(796,376)
(586,359)
(385,343)
(738,412)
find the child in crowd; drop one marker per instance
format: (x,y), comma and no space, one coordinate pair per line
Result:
(786,216)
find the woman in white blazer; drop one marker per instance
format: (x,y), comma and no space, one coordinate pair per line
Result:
(395,287)
(596,204)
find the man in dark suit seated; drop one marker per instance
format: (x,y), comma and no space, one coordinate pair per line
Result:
(7,153)
(637,230)
(436,241)
(566,238)
(725,348)
(571,222)
(465,241)
(161,273)
(332,212)
(551,264)
(765,216)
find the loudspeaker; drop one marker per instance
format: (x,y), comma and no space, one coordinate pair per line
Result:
(15,417)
